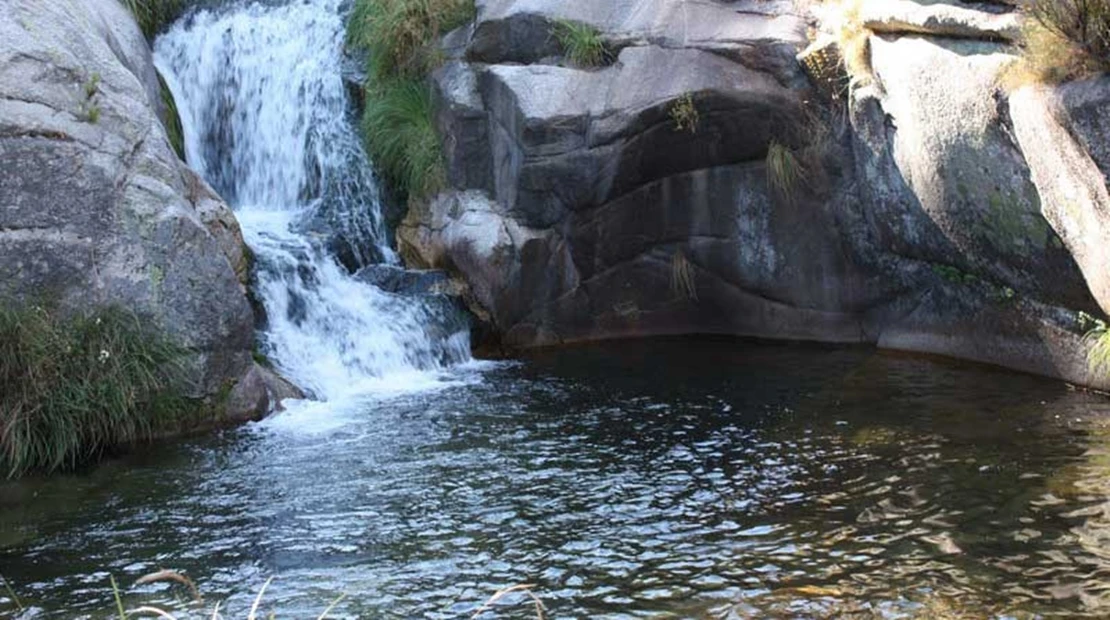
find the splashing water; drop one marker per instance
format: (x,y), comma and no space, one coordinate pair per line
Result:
(268,123)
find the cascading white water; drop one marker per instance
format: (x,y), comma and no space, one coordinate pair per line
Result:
(267,121)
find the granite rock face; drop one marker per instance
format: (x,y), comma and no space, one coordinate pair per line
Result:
(95,207)
(700,183)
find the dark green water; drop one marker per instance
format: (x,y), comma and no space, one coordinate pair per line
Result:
(664,479)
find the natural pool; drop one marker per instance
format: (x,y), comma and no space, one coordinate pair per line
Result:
(676,478)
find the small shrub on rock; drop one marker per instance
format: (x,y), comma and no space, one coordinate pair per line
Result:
(784,171)
(1063,40)
(684,114)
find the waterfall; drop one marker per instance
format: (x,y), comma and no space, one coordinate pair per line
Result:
(268,123)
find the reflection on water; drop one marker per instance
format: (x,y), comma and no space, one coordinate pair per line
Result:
(664,479)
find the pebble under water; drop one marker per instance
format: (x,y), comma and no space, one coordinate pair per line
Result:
(675,478)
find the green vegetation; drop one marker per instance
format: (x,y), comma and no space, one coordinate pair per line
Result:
(1098,339)
(154,15)
(401,137)
(582,44)
(401,40)
(401,36)
(1062,40)
(172,121)
(75,385)
(684,114)
(1084,23)
(89,108)
(954,274)
(784,171)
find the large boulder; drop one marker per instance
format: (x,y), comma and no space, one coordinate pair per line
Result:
(910,213)
(95,207)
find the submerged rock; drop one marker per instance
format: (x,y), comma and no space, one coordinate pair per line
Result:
(95,206)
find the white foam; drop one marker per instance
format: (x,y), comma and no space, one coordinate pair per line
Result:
(266,117)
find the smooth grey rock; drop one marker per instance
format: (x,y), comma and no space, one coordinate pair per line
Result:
(563,139)
(1064,134)
(945,180)
(95,207)
(760,35)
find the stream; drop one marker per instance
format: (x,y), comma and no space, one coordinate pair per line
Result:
(662,478)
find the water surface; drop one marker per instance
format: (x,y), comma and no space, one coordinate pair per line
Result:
(665,479)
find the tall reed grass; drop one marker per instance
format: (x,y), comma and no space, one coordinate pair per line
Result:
(73,386)
(401,40)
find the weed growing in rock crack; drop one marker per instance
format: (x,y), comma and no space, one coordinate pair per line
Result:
(75,385)
(854,42)
(89,109)
(174,131)
(684,114)
(954,274)
(581,43)
(92,86)
(784,171)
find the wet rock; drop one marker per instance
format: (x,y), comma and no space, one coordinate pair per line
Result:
(403,281)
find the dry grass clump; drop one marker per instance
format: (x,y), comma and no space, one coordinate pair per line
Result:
(684,114)
(197,602)
(785,172)
(1061,40)
(854,41)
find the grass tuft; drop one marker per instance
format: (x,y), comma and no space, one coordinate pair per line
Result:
(154,15)
(74,386)
(582,44)
(784,171)
(400,134)
(1098,341)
